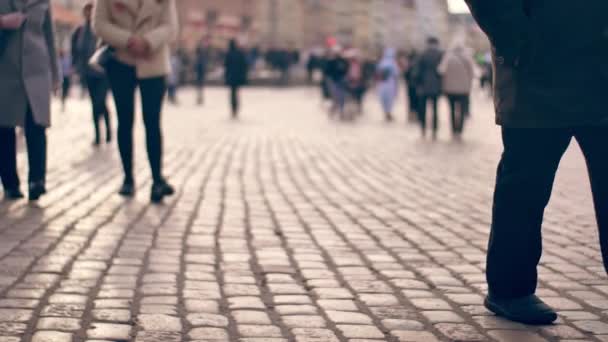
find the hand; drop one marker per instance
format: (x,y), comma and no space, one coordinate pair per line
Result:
(138,46)
(12,21)
(56,88)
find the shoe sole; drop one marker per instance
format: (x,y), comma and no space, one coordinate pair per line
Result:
(501,313)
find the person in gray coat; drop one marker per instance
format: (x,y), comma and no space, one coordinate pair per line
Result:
(458,71)
(29,69)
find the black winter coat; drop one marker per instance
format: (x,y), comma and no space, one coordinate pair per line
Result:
(427,78)
(550,60)
(235,68)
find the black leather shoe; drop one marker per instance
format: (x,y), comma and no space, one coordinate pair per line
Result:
(527,310)
(127,189)
(36,190)
(160,190)
(13,194)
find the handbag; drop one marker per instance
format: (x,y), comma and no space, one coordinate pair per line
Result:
(102,58)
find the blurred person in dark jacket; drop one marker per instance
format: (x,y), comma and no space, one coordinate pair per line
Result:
(236,69)
(84,44)
(428,83)
(551,63)
(336,70)
(201,64)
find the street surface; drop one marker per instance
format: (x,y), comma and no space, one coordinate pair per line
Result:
(286,226)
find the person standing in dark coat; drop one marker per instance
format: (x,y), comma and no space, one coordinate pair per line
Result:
(84,44)
(236,68)
(29,71)
(428,83)
(551,63)
(201,64)
(412,95)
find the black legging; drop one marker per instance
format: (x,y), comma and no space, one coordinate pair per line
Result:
(98,92)
(124,81)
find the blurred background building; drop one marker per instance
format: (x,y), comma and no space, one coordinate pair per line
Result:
(303,24)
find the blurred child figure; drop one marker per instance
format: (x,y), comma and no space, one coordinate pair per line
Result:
(65,61)
(388,82)
(173,78)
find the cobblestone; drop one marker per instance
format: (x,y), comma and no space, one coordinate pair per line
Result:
(286,226)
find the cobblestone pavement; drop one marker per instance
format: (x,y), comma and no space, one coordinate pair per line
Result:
(286,227)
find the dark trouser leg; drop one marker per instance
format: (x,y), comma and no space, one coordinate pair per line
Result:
(411,92)
(452,99)
(523,189)
(152,95)
(464,111)
(65,88)
(98,91)
(200,90)
(123,82)
(434,100)
(593,142)
(35,137)
(8,158)
(103,107)
(422,102)
(234,99)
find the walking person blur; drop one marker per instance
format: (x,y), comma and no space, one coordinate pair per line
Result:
(235,74)
(84,44)
(412,95)
(541,106)
(141,33)
(173,78)
(336,70)
(428,84)
(30,71)
(458,72)
(388,82)
(355,81)
(201,64)
(65,62)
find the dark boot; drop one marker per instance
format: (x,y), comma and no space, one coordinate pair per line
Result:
(527,310)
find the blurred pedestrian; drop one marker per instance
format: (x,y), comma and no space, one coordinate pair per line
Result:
(458,72)
(65,60)
(173,78)
(201,64)
(235,74)
(388,82)
(412,95)
(141,33)
(30,71)
(428,84)
(336,70)
(312,65)
(355,78)
(550,83)
(84,44)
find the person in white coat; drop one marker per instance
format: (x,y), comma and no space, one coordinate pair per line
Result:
(140,32)
(388,81)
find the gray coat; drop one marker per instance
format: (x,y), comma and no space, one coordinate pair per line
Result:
(28,64)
